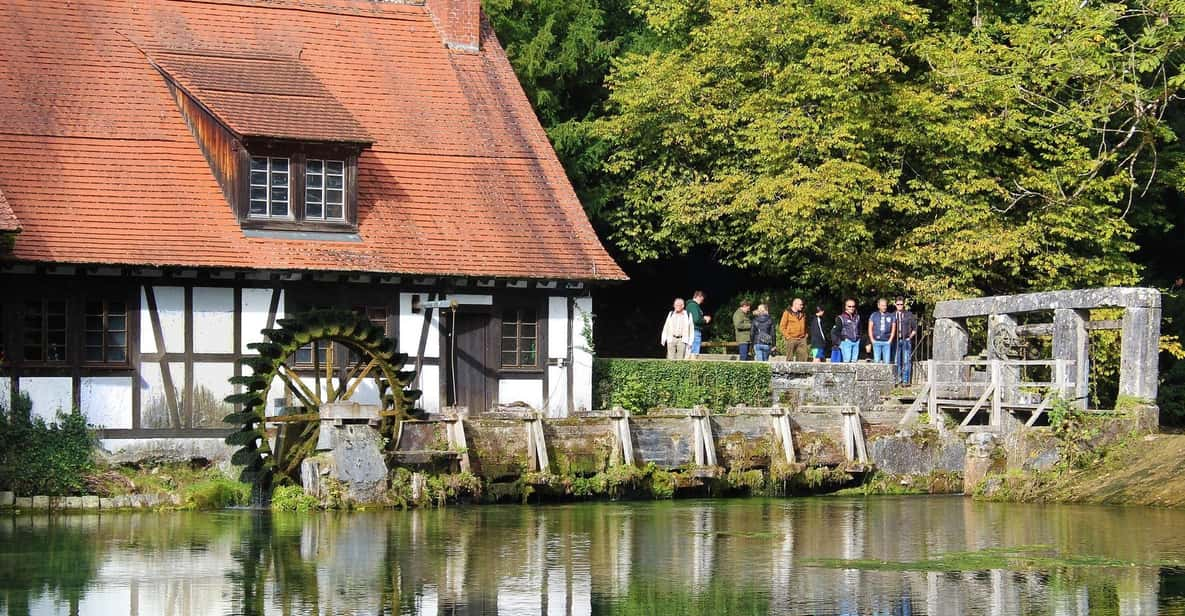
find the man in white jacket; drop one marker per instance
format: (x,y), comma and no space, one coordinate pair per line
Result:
(677,331)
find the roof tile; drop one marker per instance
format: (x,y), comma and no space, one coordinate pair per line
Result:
(100,167)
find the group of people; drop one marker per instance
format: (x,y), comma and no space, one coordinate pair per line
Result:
(890,334)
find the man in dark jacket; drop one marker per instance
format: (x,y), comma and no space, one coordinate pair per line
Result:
(818,335)
(907,331)
(849,327)
(699,320)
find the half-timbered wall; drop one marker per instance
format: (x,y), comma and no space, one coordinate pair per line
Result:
(186,335)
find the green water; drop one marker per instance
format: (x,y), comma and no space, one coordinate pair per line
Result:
(888,555)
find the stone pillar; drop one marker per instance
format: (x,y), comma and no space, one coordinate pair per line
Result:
(1139,358)
(1001,334)
(950,344)
(1072,343)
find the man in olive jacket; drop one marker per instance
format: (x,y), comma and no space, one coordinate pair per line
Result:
(742,325)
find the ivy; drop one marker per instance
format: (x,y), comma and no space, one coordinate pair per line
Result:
(39,457)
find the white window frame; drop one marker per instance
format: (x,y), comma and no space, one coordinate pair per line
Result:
(268,187)
(324,188)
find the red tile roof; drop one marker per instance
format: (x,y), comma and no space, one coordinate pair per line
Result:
(8,220)
(259,95)
(101,168)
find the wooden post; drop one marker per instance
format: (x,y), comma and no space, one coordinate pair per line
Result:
(701,433)
(1061,378)
(541,444)
(780,422)
(932,403)
(997,406)
(621,431)
(455,431)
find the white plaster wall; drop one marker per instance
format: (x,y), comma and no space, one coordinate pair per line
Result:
(472,299)
(213,320)
(429,383)
(557,327)
(256,303)
(557,398)
(106,401)
(557,348)
(411,324)
(170,305)
(521,390)
(49,394)
(147,340)
(5,393)
(581,356)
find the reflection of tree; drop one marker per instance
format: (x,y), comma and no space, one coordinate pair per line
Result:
(65,561)
(206,410)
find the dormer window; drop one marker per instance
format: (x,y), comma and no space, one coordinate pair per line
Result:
(298,187)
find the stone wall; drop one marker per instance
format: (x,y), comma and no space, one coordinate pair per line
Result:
(860,384)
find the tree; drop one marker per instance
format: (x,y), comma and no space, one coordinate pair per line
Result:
(889,144)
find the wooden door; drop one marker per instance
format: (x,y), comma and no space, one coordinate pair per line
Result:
(471,375)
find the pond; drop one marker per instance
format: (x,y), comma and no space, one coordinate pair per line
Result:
(883,555)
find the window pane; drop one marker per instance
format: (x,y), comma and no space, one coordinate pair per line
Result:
(279,194)
(279,209)
(312,195)
(314,165)
(280,179)
(312,181)
(94,322)
(528,358)
(304,355)
(33,351)
(116,308)
(280,164)
(333,196)
(259,178)
(508,358)
(312,210)
(259,192)
(117,322)
(509,330)
(510,344)
(527,345)
(527,330)
(117,339)
(94,353)
(117,355)
(334,181)
(334,166)
(258,163)
(259,207)
(94,338)
(334,211)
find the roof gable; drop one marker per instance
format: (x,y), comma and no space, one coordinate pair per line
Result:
(101,166)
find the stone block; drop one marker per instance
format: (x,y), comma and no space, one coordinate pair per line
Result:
(7,499)
(355,463)
(917,453)
(40,502)
(73,502)
(90,502)
(23,502)
(106,503)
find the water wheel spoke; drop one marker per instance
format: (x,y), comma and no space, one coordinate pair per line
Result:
(330,392)
(293,381)
(358,379)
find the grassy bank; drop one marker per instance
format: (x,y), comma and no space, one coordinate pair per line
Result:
(1139,470)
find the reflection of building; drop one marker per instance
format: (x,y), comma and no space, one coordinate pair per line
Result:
(180,181)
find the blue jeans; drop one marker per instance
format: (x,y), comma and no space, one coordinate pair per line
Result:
(743,351)
(762,351)
(881,350)
(696,340)
(850,349)
(904,361)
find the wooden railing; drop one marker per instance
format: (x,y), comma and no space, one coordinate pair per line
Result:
(999,391)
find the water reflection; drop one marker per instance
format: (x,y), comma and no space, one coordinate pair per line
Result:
(943,556)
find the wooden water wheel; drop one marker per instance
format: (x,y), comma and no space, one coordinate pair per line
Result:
(271,447)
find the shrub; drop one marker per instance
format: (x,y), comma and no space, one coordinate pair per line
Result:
(217,493)
(293,498)
(39,457)
(641,385)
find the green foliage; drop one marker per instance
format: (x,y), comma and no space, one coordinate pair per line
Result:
(216,493)
(1077,433)
(293,498)
(641,385)
(39,457)
(896,143)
